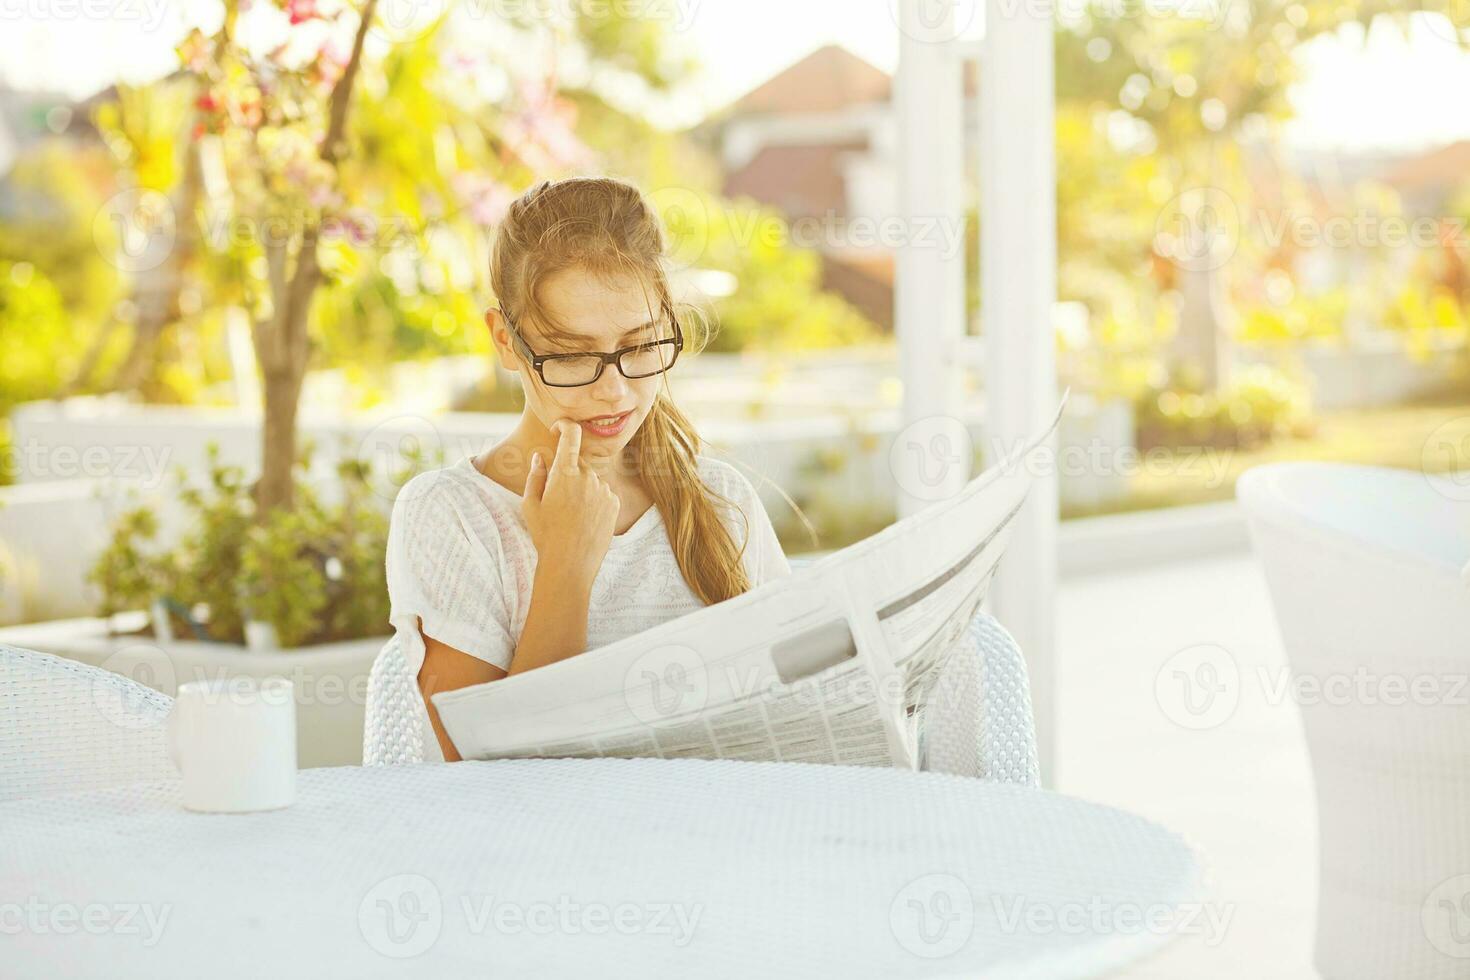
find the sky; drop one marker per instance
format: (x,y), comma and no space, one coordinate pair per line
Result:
(1393,92)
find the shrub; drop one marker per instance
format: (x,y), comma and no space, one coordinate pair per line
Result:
(1259,404)
(129,574)
(315,573)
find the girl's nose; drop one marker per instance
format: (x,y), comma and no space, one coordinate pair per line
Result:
(612,387)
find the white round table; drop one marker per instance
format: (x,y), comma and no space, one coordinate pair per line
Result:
(608,868)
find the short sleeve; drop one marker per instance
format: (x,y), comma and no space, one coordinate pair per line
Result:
(443,572)
(764,559)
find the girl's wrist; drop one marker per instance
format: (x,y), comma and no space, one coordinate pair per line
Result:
(560,579)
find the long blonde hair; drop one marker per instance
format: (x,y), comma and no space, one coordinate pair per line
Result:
(602,226)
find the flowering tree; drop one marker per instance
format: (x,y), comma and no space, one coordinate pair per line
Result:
(333,146)
(1163,117)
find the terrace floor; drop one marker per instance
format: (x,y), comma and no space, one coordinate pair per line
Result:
(1240,791)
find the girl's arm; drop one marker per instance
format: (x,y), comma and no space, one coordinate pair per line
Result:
(447,669)
(571,513)
(556,628)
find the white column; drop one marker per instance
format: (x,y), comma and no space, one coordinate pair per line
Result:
(1018,253)
(929,292)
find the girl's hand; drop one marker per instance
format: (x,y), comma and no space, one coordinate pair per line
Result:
(570,510)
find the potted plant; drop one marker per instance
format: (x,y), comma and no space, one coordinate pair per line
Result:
(132,575)
(308,576)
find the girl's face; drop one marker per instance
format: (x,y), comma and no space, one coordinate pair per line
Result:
(603,318)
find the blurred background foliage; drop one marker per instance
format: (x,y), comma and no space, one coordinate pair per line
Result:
(447,125)
(1146,106)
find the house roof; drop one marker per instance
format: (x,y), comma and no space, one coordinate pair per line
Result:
(864,281)
(829,78)
(800,180)
(1446,167)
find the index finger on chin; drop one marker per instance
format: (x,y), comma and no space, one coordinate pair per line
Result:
(569,445)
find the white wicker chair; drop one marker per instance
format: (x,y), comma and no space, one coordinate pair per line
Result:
(981,726)
(1364,567)
(66,727)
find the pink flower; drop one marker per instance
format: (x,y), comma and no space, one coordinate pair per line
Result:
(490,208)
(251,113)
(300,11)
(546,129)
(360,226)
(329,65)
(486,200)
(323,196)
(193,51)
(335,52)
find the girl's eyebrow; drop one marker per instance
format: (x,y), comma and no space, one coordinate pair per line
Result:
(572,343)
(637,330)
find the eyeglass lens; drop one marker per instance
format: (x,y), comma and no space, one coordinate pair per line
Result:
(640,362)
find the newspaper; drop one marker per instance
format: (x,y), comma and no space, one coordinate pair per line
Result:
(833,663)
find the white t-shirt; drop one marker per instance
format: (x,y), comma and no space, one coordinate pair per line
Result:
(461,562)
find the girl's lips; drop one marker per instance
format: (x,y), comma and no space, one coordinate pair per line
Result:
(608,430)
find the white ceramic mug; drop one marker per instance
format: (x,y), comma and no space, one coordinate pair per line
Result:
(234,742)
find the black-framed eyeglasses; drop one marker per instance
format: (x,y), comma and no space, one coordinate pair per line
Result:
(584,367)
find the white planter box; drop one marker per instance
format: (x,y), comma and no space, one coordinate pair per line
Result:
(54,526)
(330,680)
(1370,374)
(50,535)
(1096,452)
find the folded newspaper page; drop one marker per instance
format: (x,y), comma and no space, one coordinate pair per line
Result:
(832,663)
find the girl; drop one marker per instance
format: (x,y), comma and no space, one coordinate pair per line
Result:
(598,516)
